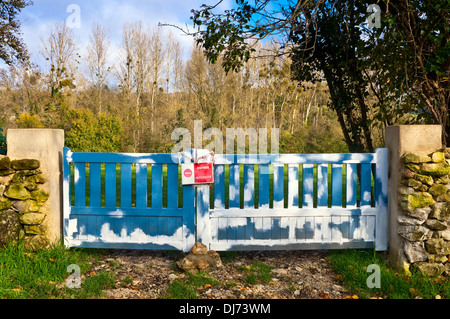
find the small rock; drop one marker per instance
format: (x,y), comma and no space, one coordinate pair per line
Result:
(279,271)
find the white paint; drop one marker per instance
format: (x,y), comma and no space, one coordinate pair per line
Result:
(138,236)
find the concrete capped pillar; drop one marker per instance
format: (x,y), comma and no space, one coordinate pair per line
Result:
(45,145)
(400,140)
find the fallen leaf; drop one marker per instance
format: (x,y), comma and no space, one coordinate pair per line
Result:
(19,288)
(207,286)
(135,288)
(355,297)
(438,297)
(324,295)
(208,295)
(348,297)
(92,273)
(52,260)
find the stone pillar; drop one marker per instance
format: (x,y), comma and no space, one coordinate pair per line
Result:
(401,140)
(45,145)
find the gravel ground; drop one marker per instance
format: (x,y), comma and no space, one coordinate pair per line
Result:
(295,275)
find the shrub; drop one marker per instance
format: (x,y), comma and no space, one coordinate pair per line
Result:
(90,133)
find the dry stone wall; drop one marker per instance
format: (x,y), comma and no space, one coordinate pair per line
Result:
(425,205)
(21,199)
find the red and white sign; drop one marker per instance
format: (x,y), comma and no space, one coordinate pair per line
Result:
(197,173)
(200,172)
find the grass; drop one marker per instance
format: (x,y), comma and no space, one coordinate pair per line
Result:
(257,273)
(351,266)
(42,274)
(188,286)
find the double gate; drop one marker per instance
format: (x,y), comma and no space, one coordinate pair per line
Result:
(274,201)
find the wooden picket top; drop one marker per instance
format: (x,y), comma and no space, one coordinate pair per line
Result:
(280,201)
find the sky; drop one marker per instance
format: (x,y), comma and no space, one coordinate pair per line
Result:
(37,19)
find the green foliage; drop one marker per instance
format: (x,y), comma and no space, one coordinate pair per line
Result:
(12,48)
(26,120)
(90,133)
(322,138)
(2,142)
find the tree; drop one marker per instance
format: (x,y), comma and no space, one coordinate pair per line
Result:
(97,61)
(329,40)
(59,49)
(12,48)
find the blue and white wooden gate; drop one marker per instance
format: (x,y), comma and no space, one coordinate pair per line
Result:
(320,201)
(125,208)
(282,201)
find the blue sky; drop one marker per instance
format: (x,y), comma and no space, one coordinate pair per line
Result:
(113,14)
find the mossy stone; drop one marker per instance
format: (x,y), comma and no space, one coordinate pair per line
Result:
(17,191)
(5,203)
(6,172)
(435,169)
(25,164)
(418,200)
(415,158)
(10,226)
(444,197)
(32,218)
(438,157)
(424,179)
(437,189)
(26,206)
(412,183)
(440,211)
(5,163)
(40,195)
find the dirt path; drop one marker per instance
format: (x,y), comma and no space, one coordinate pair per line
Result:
(295,274)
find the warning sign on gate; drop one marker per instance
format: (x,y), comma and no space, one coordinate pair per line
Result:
(201,171)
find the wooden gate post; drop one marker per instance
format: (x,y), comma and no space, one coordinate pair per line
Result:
(203,220)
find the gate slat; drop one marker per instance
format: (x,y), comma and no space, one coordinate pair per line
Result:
(308,185)
(249,186)
(95,185)
(322,185)
(278,186)
(293,185)
(351,184)
(110,185)
(263,181)
(219,186)
(234,186)
(336,185)
(141,185)
(125,185)
(172,185)
(80,184)
(366,179)
(157,185)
